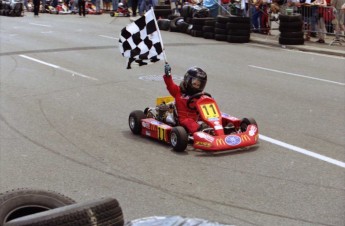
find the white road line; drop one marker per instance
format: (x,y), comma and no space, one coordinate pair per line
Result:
(303,151)
(42,25)
(58,67)
(105,36)
(297,75)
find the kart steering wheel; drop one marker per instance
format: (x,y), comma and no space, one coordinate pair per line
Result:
(195,96)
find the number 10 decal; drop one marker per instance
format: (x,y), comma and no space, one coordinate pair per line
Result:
(209,110)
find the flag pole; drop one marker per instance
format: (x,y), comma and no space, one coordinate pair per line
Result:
(159,35)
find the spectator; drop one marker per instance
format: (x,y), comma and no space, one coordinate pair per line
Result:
(26,5)
(339,5)
(36,7)
(134,7)
(306,10)
(98,6)
(213,6)
(107,4)
(115,4)
(321,22)
(256,13)
(81,6)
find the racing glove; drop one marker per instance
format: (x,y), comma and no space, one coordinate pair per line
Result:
(167,69)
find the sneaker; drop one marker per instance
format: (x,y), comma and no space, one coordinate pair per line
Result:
(320,41)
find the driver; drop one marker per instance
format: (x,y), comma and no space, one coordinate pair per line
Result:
(194,81)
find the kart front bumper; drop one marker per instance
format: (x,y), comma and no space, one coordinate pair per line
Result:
(207,142)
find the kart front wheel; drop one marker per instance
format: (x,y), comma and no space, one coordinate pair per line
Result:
(179,139)
(134,121)
(246,122)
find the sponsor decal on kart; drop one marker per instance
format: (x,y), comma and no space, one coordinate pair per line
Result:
(205,144)
(157,123)
(252,131)
(233,140)
(146,125)
(205,136)
(161,133)
(225,115)
(218,127)
(220,142)
(245,137)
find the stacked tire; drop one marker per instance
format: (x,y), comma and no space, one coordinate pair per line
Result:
(196,28)
(291,30)
(162,11)
(209,28)
(238,29)
(220,28)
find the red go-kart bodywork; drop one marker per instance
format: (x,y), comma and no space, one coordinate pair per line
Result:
(224,132)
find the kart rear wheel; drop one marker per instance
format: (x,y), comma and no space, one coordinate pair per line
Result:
(246,122)
(134,121)
(179,138)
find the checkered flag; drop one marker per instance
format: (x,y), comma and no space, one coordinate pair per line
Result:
(141,40)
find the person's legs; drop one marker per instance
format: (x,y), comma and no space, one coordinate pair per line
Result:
(115,4)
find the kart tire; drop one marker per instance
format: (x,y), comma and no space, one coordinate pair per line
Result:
(245,122)
(104,211)
(134,121)
(179,138)
(24,201)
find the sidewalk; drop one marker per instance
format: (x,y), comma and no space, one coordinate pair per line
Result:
(336,48)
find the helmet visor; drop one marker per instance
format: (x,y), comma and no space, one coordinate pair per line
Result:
(197,84)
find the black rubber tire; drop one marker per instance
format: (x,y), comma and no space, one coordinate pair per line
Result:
(112,14)
(220,31)
(163,24)
(183,26)
(162,13)
(239,19)
(134,121)
(25,201)
(196,33)
(220,25)
(237,26)
(298,34)
(208,29)
(220,37)
(290,29)
(289,18)
(239,32)
(102,212)
(197,27)
(162,7)
(208,35)
(291,41)
(222,19)
(210,23)
(294,24)
(238,39)
(173,23)
(198,21)
(179,138)
(245,122)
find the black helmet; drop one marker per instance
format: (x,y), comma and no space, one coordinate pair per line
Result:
(194,81)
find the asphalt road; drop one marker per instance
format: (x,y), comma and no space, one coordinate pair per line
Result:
(65,99)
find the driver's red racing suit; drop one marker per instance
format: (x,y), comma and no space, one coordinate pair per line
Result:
(187,117)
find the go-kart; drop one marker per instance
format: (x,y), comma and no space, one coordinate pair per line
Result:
(221,132)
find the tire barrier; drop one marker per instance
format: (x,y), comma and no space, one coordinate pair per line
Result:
(162,11)
(24,201)
(32,207)
(232,29)
(106,211)
(291,30)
